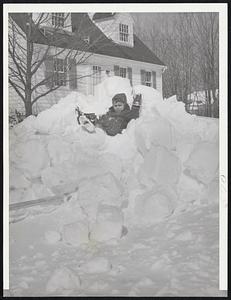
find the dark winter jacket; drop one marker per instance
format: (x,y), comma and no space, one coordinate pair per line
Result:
(113,122)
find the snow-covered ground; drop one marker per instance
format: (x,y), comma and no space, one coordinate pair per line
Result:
(139,215)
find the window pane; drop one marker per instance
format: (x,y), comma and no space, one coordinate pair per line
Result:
(123,72)
(57,19)
(123,32)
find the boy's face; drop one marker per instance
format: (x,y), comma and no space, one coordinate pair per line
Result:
(118,106)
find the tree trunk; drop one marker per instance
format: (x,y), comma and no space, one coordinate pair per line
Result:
(29,44)
(28,108)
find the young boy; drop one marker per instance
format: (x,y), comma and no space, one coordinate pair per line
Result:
(119,114)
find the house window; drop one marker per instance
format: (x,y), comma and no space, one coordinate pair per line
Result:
(96,75)
(60,67)
(148,77)
(123,32)
(123,72)
(58,19)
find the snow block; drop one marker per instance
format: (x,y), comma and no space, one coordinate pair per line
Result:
(184,149)
(101,189)
(17,179)
(161,166)
(57,118)
(189,189)
(63,279)
(31,157)
(154,130)
(27,126)
(150,97)
(112,163)
(59,150)
(152,207)
(210,193)
(61,178)
(109,223)
(75,233)
(96,265)
(67,176)
(203,162)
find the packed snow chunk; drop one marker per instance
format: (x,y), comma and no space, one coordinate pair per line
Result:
(17,179)
(31,157)
(63,279)
(113,163)
(60,116)
(203,162)
(208,128)
(27,126)
(152,207)
(107,89)
(75,233)
(161,166)
(109,224)
(96,265)
(150,97)
(59,150)
(154,130)
(210,193)
(184,149)
(61,178)
(92,143)
(67,175)
(189,189)
(122,145)
(101,189)
(175,113)
(52,237)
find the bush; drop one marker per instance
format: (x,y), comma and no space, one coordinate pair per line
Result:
(15,118)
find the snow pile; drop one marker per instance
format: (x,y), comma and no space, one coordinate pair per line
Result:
(164,159)
(63,280)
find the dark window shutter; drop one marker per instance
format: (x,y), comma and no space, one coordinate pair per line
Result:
(116,70)
(142,75)
(130,75)
(72,74)
(49,71)
(154,79)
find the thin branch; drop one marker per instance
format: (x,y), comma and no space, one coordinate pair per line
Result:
(16,89)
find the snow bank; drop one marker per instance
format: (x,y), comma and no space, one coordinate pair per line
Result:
(163,158)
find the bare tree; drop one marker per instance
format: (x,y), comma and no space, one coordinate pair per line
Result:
(188,44)
(35,44)
(206,33)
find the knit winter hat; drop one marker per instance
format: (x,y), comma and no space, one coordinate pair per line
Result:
(119,98)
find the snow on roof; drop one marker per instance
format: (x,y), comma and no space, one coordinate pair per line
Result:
(100,16)
(83,27)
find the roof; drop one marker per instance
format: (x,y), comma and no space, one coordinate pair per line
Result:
(100,16)
(82,28)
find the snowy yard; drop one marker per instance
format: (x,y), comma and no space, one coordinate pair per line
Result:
(139,215)
(177,257)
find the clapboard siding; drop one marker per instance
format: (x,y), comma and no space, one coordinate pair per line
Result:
(85,81)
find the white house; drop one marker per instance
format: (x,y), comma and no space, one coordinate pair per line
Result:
(108,47)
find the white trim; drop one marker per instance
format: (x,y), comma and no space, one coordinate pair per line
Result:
(115,7)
